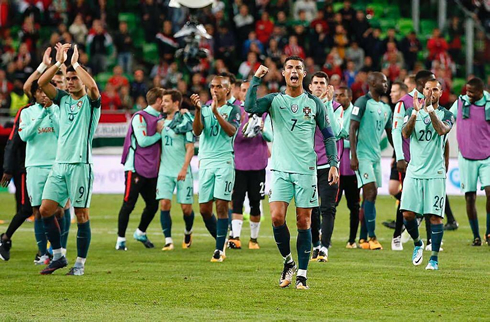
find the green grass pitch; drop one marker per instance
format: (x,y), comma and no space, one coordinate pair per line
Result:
(151,285)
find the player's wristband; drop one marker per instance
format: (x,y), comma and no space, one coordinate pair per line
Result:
(414,113)
(430,109)
(76,65)
(41,68)
(58,64)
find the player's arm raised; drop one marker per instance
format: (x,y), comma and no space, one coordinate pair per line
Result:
(87,80)
(61,56)
(252,104)
(197,124)
(38,72)
(443,126)
(411,117)
(328,141)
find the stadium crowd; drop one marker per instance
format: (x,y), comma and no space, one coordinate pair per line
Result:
(345,40)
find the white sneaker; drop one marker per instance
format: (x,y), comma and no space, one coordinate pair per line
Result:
(429,247)
(396,243)
(405,236)
(323,255)
(43,260)
(418,255)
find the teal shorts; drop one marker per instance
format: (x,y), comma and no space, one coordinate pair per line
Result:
(185,189)
(424,196)
(303,187)
(70,180)
(369,171)
(216,183)
(472,170)
(36,179)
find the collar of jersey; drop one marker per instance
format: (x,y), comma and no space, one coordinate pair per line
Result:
(152,111)
(420,95)
(481,102)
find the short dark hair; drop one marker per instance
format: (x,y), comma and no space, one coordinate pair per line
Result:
(294,58)
(477,83)
(153,94)
(402,86)
(60,72)
(230,76)
(71,69)
(320,74)
(238,83)
(175,95)
(34,88)
(349,91)
(423,74)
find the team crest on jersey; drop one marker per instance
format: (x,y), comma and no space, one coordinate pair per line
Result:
(72,107)
(307,112)
(366,175)
(379,111)
(294,108)
(79,104)
(225,116)
(427,120)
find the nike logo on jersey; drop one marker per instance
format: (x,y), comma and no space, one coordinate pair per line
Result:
(282,108)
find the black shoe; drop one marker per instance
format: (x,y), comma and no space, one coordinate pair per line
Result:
(476,242)
(287,274)
(54,265)
(389,224)
(451,225)
(301,283)
(5,246)
(314,254)
(148,244)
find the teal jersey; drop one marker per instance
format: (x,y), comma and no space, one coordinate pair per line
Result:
(426,146)
(294,121)
(139,136)
(173,151)
(78,121)
(374,117)
(215,146)
(38,129)
(344,134)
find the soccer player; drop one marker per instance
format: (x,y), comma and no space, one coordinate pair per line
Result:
(216,124)
(141,159)
(426,124)
(370,117)
(348,179)
(295,114)
(323,217)
(251,157)
(472,112)
(398,90)
(72,175)
(410,82)
(175,170)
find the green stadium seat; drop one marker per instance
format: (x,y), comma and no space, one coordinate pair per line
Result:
(405,25)
(129,18)
(378,9)
(427,26)
(337,6)
(458,84)
(150,53)
(102,79)
(392,12)
(387,24)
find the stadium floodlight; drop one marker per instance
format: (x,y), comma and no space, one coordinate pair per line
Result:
(194,4)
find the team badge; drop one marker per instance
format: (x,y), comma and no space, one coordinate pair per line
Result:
(366,175)
(238,116)
(355,110)
(386,115)
(294,108)
(379,111)
(427,120)
(307,112)
(79,104)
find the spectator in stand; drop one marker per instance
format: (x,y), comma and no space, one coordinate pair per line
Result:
(110,99)
(282,21)
(335,81)
(264,28)
(442,75)
(31,8)
(320,43)
(151,19)
(161,69)
(248,67)
(356,55)
(29,34)
(126,99)
(350,73)
(340,40)
(281,5)
(118,80)
(24,56)
(5,16)
(293,49)
(390,37)
(481,54)
(360,87)
(392,66)
(368,64)
(20,70)
(274,77)
(410,47)
(225,45)
(331,66)
(280,35)
(99,47)
(196,83)
(252,39)
(308,6)
(140,103)
(301,34)
(138,86)
(79,30)
(391,51)
(320,19)
(167,45)
(360,26)
(17,98)
(5,86)
(373,46)
(348,16)
(124,46)
(301,21)
(455,31)
(273,51)
(244,23)
(186,102)
(219,67)
(436,45)
(173,76)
